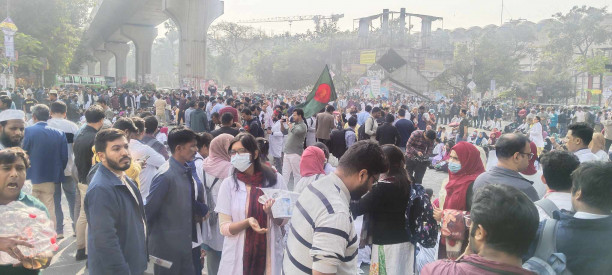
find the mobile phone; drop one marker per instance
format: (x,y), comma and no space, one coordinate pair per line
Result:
(145,158)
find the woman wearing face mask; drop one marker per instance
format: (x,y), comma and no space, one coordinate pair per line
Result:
(464,166)
(253,238)
(311,167)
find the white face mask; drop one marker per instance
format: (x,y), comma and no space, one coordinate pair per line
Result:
(241,161)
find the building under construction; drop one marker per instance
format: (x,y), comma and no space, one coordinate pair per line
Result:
(392,58)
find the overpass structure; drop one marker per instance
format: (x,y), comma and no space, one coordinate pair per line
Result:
(117,22)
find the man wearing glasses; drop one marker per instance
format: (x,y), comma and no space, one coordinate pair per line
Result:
(513,153)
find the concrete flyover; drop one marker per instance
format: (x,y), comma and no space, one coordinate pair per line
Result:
(117,22)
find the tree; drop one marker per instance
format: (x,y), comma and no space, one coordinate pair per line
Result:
(228,43)
(456,77)
(292,67)
(29,62)
(58,25)
(494,54)
(579,30)
(570,52)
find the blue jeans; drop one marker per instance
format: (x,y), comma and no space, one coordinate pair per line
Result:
(69,186)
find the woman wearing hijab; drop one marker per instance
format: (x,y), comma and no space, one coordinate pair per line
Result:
(392,252)
(464,166)
(534,174)
(253,237)
(482,140)
(217,168)
(311,167)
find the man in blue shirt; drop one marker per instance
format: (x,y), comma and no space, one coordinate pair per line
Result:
(363,115)
(405,128)
(48,151)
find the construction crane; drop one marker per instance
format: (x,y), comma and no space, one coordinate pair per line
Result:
(315,18)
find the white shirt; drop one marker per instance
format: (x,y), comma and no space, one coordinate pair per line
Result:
(68,127)
(276,140)
(586,155)
(580,116)
(200,173)
(161,137)
(535,135)
(602,155)
(589,216)
(560,199)
(138,150)
(311,122)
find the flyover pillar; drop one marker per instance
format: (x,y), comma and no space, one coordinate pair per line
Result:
(143,37)
(91,67)
(120,50)
(104,57)
(192,17)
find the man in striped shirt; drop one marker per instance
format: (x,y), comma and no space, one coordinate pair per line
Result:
(322,237)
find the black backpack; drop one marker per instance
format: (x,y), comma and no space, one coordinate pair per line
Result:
(420,223)
(338,142)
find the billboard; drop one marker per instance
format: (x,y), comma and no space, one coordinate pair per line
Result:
(367,57)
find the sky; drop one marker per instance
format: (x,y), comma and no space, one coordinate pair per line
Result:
(456,13)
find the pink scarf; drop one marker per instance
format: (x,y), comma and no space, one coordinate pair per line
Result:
(217,164)
(312,162)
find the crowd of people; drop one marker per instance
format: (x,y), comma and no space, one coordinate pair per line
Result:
(173,183)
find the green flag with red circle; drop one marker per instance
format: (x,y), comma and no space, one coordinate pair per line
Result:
(322,93)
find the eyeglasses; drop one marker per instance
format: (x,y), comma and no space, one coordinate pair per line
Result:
(468,220)
(529,155)
(238,151)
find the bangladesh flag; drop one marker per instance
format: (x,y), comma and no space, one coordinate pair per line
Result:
(322,93)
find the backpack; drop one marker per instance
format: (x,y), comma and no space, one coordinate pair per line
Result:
(338,142)
(212,216)
(361,135)
(547,205)
(546,260)
(420,223)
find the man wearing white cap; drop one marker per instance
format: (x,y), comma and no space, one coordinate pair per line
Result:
(12,125)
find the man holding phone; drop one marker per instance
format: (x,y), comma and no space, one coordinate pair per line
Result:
(294,144)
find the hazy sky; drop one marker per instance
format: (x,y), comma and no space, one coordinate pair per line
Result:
(456,13)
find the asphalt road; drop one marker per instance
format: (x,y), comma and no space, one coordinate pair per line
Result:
(64,263)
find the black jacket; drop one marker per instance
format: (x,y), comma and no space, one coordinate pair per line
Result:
(83,153)
(386,203)
(388,134)
(225,130)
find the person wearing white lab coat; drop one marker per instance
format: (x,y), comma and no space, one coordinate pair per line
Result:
(535,134)
(277,142)
(311,122)
(240,216)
